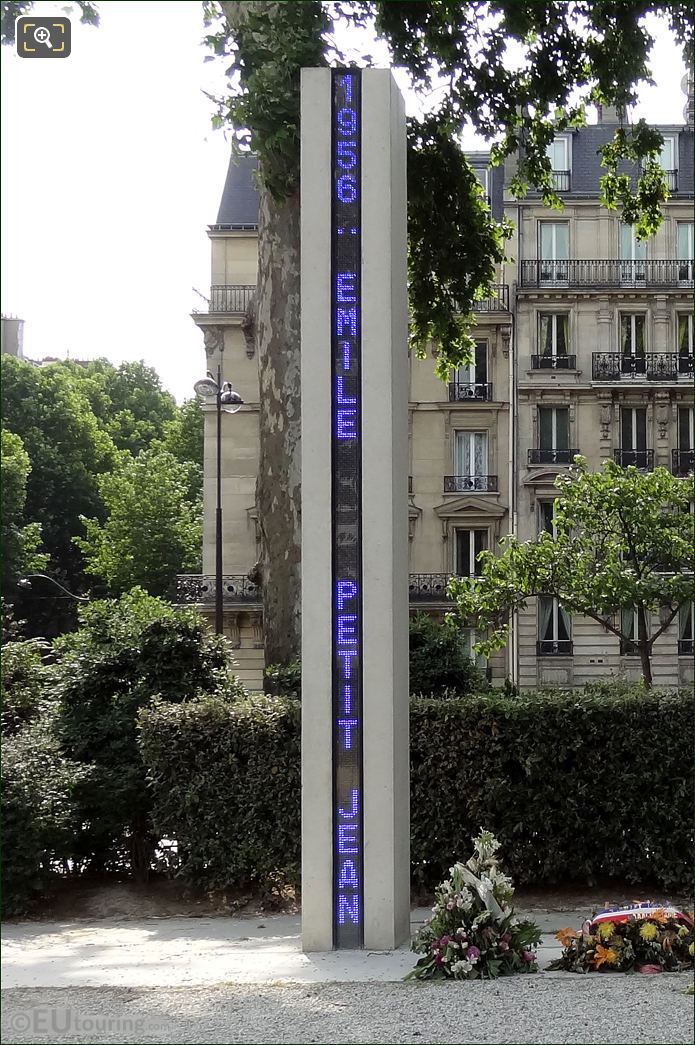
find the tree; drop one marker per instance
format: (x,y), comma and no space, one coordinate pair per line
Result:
(622,541)
(569,54)
(183,438)
(152,530)
(126,653)
(20,541)
(67,451)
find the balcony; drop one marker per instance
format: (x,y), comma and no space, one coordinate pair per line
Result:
(470,484)
(653,366)
(545,456)
(672,180)
(642,459)
(554,648)
(546,362)
(597,274)
(428,587)
(682,462)
(498,300)
(231,298)
(685,648)
(194,588)
(561,180)
(462,392)
(628,648)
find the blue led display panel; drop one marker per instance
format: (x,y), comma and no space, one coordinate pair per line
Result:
(346,210)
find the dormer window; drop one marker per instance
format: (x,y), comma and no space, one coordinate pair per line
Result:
(559,154)
(668,158)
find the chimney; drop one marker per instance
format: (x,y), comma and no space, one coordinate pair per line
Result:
(610,114)
(687,88)
(13,336)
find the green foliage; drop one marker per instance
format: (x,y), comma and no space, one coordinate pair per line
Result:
(67,450)
(152,530)
(225,782)
(639,145)
(39,813)
(439,664)
(125,653)
(24,684)
(183,438)
(623,540)
(128,401)
(20,541)
(577,787)
(284,680)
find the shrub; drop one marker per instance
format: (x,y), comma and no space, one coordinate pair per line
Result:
(24,683)
(284,680)
(225,781)
(126,652)
(439,664)
(576,787)
(39,815)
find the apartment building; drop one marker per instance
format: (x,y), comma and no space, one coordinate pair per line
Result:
(585,346)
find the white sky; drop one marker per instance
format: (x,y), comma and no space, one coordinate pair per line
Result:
(110,175)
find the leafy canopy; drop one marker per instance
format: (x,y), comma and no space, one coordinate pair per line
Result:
(623,539)
(515,71)
(21,542)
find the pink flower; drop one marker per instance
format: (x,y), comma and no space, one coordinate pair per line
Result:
(507,937)
(444,941)
(528,956)
(472,954)
(450,906)
(503,945)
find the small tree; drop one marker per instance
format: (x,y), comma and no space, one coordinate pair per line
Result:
(623,540)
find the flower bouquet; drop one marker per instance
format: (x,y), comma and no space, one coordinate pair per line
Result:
(473,933)
(642,937)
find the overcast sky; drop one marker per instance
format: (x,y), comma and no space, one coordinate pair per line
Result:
(110,175)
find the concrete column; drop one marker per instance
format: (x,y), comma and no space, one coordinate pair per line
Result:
(384,435)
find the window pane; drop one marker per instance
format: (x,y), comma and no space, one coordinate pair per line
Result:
(480,545)
(685,335)
(641,429)
(561,429)
(563,624)
(545,618)
(562,241)
(554,241)
(639,335)
(685,428)
(545,335)
(463,558)
(667,158)
(684,238)
(626,429)
(625,334)
(562,325)
(628,624)
(546,512)
(545,428)
(626,242)
(480,363)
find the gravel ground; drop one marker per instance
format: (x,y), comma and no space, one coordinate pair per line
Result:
(602,1009)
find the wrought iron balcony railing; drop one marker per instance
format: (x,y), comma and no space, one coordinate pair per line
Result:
(685,647)
(498,300)
(545,456)
(672,180)
(462,391)
(652,366)
(546,362)
(231,298)
(628,648)
(682,462)
(642,459)
(428,587)
(200,589)
(470,483)
(595,273)
(554,648)
(561,180)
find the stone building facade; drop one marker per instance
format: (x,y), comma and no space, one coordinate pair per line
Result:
(585,346)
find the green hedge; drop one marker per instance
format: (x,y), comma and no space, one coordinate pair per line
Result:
(576,786)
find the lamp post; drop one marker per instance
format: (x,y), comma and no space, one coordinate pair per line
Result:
(25,584)
(229,401)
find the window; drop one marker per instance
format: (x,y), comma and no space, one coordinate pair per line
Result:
(629,625)
(468,640)
(685,428)
(554,244)
(470,453)
(685,630)
(633,438)
(685,335)
(553,428)
(632,343)
(553,338)
(668,157)
(554,628)
(483,176)
(469,545)
(471,380)
(633,254)
(558,153)
(685,250)
(546,518)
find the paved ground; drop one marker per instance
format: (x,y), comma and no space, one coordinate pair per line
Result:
(610,1010)
(209,980)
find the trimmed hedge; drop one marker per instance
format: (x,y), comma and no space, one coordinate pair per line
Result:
(576,786)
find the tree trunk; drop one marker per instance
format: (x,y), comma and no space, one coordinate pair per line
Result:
(644,647)
(278,487)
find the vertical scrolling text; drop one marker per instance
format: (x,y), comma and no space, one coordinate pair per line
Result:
(346,507)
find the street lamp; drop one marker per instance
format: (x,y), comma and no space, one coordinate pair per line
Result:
(25,584)
(229,401)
